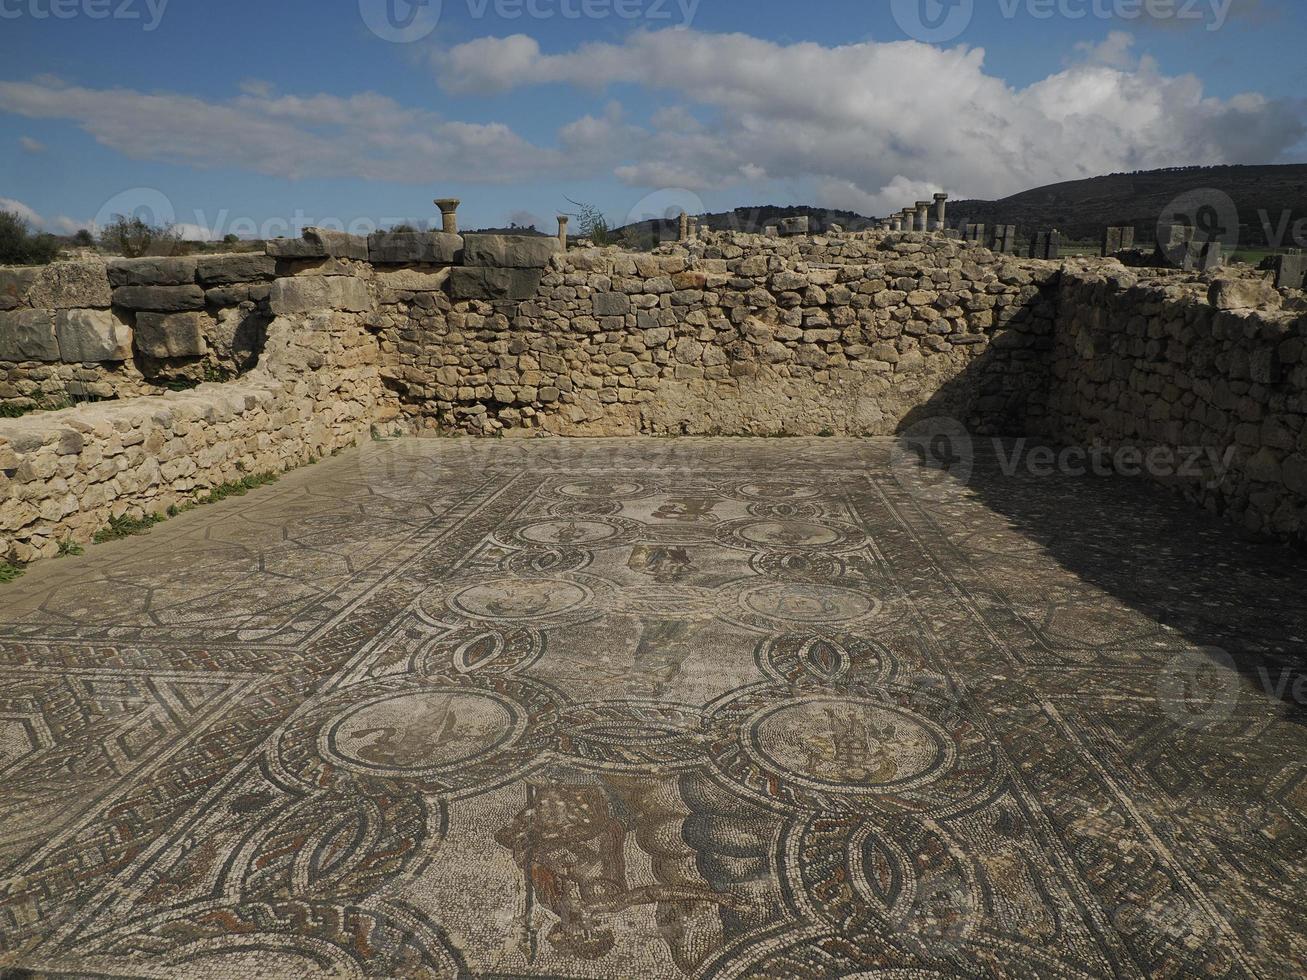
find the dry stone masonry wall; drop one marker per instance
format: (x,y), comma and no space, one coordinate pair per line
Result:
(304,349)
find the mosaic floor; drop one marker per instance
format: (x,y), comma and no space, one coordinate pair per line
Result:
(718,708)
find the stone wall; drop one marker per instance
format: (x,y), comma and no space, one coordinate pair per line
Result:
(851,334)
(316,388)
(1210,373)
(733,335)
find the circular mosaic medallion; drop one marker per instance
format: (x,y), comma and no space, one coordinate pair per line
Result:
(790,535)
(778,491)
(517,599)
(892,747)
(599,489)
(408,734)
(785,606)
(421,731)
(849,746)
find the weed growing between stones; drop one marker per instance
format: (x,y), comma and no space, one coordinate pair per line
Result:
(10,572)
(70,548)
(125,526)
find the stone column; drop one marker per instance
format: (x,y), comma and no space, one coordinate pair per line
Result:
(923,216)
(896,223)
(909,219)
(683,231)
(694,229)
(562,232)
(940,200)
(449,213)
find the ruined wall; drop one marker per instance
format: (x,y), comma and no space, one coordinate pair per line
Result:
(327,336)
(316,388)
(733,335)
(89,330)
(1209,373)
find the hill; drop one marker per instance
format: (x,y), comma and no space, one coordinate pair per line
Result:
(1269,200)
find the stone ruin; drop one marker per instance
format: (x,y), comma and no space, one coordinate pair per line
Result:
(318,342)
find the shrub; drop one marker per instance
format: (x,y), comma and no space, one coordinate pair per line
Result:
(133,238)
(231,239)
(591,223)
(84,239)
(18,246)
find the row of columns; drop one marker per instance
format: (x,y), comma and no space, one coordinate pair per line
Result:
(918,217)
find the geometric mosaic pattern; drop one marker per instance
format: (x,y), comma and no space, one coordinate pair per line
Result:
(643,708)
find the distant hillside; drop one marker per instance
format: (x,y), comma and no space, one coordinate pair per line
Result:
(1078,208)
(1083,208)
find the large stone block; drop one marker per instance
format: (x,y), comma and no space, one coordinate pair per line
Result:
(1291,271)
(494,284)
(229,270)
(509,251)
(92,336)
(166,335)
(413,280)
(311,294)
(319,243)
(1243,294)
(159,299)
(794,226)
(15,282)
(403,248)
(28,335)
(70,286)
(152,271)
(611,304)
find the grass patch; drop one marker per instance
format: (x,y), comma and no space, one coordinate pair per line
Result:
(68,548)
(238,488)
(12,411)
(125,527)
(9,571)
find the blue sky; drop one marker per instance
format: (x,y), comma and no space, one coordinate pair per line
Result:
(258,117)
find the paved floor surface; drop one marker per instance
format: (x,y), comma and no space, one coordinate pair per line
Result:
(727,708)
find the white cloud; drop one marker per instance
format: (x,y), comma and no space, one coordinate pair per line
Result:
(871,126)
(365,135)
(23,211)
(30,145)
(876,124)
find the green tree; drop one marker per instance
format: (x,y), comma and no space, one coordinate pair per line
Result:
(84,239)
(591,223)
(133,238)
(18,246)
